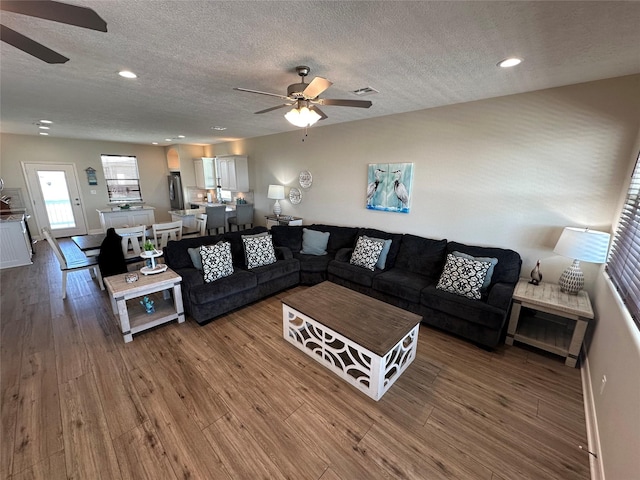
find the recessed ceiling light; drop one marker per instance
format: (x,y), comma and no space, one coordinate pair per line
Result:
(127,74)
(46,121)
(168,139)
(154,143)
(509,62)
(44,133)
(181,136)
(42,127)
(220,129)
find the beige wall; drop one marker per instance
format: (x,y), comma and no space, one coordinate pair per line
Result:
(510,171)
(614,352)
(152,165)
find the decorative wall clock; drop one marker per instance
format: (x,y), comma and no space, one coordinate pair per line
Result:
(305,179)
(295,195)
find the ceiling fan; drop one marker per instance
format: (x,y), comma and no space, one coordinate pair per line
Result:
(305,98)
(48,10)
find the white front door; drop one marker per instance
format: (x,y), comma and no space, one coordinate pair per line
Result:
(55,194)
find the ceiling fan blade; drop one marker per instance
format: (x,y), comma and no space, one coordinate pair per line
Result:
(275,108)
(58,12)
(316,87)
(284,97)
(344,103)
(318,111)
(29,46)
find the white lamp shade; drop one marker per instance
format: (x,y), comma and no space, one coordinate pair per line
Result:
(583,244)
(276,192)
(302,117)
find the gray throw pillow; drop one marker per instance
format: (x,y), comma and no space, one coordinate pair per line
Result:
(196,259)
(314,242)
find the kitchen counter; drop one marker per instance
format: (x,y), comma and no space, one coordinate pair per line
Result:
(128,217)
(16,246)
(118,209)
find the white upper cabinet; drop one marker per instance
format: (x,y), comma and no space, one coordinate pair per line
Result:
(205,173)
(233,173)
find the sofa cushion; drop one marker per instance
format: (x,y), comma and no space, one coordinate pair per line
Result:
(313,263)
(258,250)
(367,252)
(401,283)
(493,261)
(422,255)
(314,242)
(464,308)
(463,276)
(275,270)
(394,247)
(287,236)
(239,281)
(507,270)
(216,261)
(351,273)
(339,237)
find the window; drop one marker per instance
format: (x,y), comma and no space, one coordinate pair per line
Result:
(624,259)
(122,178)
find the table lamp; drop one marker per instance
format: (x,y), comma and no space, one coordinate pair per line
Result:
(581,244)
(276,192)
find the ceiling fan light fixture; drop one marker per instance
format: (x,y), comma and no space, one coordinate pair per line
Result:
(302,117)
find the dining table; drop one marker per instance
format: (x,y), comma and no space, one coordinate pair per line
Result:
(89,244)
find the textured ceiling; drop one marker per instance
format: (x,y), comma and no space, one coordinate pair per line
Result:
(190,54)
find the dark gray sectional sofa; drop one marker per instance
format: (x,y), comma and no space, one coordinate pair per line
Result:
(413,266)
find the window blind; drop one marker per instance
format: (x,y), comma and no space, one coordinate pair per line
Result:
(623,264)
(122,178)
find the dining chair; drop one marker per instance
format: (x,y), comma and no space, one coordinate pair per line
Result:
(216,218)
(244,216)
(66,266)
(163,232)
(201,225)
(133,239)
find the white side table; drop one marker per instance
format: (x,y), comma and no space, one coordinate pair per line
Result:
(133,317)
(561,338)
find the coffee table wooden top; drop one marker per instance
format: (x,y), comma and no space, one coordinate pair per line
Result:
(371,323)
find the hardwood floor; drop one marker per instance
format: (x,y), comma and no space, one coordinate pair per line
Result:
(233,400)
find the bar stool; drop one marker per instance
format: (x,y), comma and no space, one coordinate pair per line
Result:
(216,218)
(244,216)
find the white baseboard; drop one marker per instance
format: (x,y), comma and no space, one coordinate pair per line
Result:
(593,437)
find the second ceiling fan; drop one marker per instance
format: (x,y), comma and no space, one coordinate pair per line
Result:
(304,97)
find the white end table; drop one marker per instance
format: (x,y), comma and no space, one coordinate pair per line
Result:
(563,339)
(133,317)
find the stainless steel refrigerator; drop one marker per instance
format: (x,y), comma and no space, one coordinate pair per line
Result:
(175,191)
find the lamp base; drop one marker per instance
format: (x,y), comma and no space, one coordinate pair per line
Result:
(572,279)
(277,209)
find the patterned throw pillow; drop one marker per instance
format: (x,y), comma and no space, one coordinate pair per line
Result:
(258,250)
(216,261)
(366,252)
(463,276)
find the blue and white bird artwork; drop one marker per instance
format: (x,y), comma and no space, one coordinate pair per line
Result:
(389,187)
(372,188)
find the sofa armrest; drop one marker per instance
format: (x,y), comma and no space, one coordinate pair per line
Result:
(500,295)
(344,254)
(283,253)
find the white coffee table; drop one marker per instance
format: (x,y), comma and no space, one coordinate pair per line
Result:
(364,341)
(125,301)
